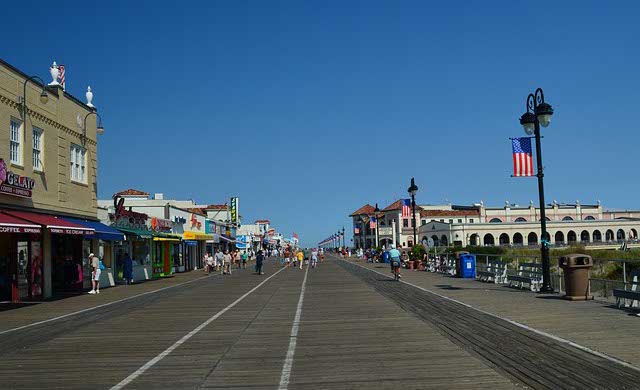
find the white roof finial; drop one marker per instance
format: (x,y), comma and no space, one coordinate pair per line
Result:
(55,72)
(89,96)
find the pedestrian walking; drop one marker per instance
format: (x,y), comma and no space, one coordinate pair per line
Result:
(244,257)
(259,261)
(95,274)
(314,258)
(127,271)
(218,257)
(209,263)
(300,257)
(234,258)
(227,263)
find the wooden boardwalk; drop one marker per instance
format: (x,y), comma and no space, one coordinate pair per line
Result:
(527,357)
(357,331)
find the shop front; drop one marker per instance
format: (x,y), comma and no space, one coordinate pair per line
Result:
(164,247)
(195,248)
(106,238)
(69,247)
(20,260)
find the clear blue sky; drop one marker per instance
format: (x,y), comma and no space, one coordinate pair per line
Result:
(307,110)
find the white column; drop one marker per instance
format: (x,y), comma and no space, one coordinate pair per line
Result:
(393,232)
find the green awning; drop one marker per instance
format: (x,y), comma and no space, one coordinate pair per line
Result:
(139,233)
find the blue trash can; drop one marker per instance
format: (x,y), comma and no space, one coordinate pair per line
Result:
(385,257)
(468,266)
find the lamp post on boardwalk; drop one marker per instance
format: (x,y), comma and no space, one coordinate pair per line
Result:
(376,211)
(344,243)
(412,190)
(531,122)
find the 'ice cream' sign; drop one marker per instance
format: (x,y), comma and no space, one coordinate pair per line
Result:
(14,184)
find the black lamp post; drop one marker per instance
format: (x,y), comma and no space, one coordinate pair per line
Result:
(363,236)
(44,97)
(344,243)
(413,189)
(84,131)
(376,211)
(531,122)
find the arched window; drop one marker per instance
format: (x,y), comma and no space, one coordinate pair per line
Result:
(436,242)
(444,241)
(620,235)
(571,237)
(475,239)
(584,236)
(567,218)
(597,236)
(488,240)
(609,235)
(546,219)
(517,239)
(495,220)
(589,218)
(504,239)
(633,235)
(559,237)
(532,239)
(520,219)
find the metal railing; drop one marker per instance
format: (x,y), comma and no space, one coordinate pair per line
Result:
(601,286)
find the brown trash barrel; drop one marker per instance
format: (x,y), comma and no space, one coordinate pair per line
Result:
(576,276)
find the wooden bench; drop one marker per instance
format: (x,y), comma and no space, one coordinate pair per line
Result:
(629,298)
(496,272)
(528,273)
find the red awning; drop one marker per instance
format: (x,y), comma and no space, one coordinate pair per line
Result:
(54,224)
(9,224)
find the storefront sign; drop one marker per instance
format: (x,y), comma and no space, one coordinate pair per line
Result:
(197,236)
(234,209)
(194,222)
(126,218)
(14,184)
(19,229)
(161,225)
(72,231)
(180,220)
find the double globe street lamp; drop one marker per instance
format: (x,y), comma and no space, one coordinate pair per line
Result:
(531,122)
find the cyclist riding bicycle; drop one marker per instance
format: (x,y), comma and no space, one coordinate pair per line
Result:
(394,255)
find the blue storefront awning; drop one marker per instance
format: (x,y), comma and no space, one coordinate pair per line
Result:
(103,231)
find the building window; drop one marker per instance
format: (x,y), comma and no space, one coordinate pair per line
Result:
(78,163)
(423,222)
(451,221)
(459,221)
(15,145)
(470,220)
(405,223)
(442,220)
(37,150)
(413,223)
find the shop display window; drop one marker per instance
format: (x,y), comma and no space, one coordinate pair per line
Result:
(141,252)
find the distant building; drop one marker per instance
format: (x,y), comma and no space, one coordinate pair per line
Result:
(508,225)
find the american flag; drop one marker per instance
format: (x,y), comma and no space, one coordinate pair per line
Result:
(61,75)
(356,229)
(372,222)
(522,160)
(406,208)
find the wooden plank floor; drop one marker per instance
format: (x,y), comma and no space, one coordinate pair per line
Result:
(593,324)
(529,358)
(350,337)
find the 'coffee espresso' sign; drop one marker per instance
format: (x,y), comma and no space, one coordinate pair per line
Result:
(14,184)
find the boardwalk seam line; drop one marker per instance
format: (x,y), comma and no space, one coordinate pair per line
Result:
(186,337)
(523,326)
(293,339)
(98,307)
